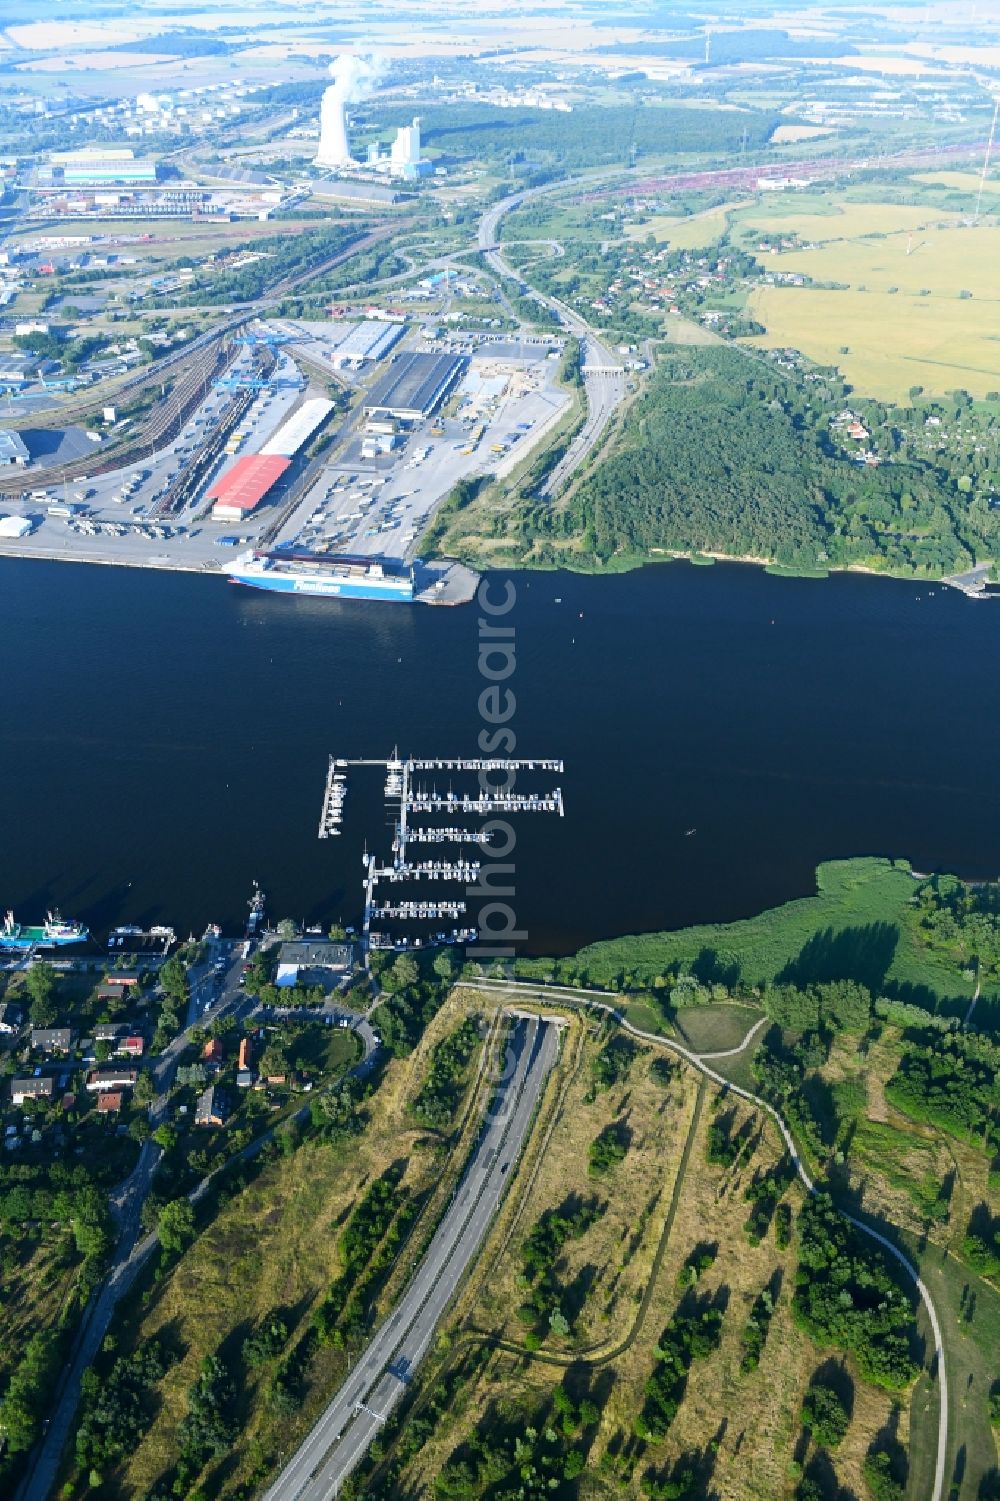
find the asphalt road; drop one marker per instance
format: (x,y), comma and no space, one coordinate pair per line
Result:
(383,1371)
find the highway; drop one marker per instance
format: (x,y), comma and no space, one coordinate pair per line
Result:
(382,1373)
(604,376)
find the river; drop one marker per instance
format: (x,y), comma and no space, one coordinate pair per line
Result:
(163,740)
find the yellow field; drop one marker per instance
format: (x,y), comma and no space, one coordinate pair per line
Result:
(847,221)
(893,342)
(965,182)
(894,339)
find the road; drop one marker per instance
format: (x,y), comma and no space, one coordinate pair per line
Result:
(596,1000)
(604,375)
(383,1371)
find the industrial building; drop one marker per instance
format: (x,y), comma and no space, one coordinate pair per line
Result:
(96,166)
(363,342)
(413,386)
(12,448)
(357,190)
(14,527)
(296,432)
(242,488)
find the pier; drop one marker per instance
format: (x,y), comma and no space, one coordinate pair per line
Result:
(417,801)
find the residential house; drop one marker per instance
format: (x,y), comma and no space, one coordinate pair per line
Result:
(52,1039)
(244,1079)
(213,1050)
(110,1031)
(10,1019)
(110,1102)
(38,1087)
(246,1053)
(131,1047)
(212,1108)
(112,1076)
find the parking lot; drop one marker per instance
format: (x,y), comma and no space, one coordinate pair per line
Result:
(380,505)
(363,501)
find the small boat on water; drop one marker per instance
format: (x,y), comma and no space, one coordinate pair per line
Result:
(55,932)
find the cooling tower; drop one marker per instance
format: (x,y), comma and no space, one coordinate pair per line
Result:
(333,148)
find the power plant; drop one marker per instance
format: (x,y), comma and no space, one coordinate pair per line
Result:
(354,78)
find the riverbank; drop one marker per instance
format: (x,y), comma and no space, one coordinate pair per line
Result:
(860,924)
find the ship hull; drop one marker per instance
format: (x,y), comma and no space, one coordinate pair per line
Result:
(36,938)
(400,592)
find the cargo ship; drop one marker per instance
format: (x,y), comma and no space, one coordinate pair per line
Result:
(53,933)
(336,577)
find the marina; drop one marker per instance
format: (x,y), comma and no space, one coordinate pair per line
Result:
(417,801)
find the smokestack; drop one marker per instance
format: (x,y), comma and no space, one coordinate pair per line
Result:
(353,80)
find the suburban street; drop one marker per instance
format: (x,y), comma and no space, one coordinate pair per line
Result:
(382,1373)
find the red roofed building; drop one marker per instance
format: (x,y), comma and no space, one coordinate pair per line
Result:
(246,1052)
(242,488)
(212,1051)
(110,1102)
(132,1047)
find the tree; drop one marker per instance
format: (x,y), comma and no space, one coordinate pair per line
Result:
(166,1136)
(145,1088)
(825,1415)
(274,1061)
(173,978)
(176,1225)
(287,929)
(404,971)
(337,932)
(41,984)
(443,965)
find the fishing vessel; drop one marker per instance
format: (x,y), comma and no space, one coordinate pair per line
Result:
(337,576)
(55,932)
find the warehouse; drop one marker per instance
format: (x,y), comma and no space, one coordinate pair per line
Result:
(299,428)
(12,448)
(370,340)
(413,386)
(241,489)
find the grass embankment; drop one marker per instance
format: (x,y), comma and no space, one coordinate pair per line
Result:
(857,926)
(739,1427)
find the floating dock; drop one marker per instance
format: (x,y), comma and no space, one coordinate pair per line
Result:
(418,801)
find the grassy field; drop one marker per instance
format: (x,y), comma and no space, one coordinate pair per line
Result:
(273,1249)
(854,927)
(691,233)
(715,1028)
(744,1427)
(900,317)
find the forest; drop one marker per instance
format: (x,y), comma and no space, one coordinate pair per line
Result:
(584,137)
(729,454)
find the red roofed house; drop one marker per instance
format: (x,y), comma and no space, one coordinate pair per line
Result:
(246,1050)
(110,1102)
(212,1051)
(132,1047)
